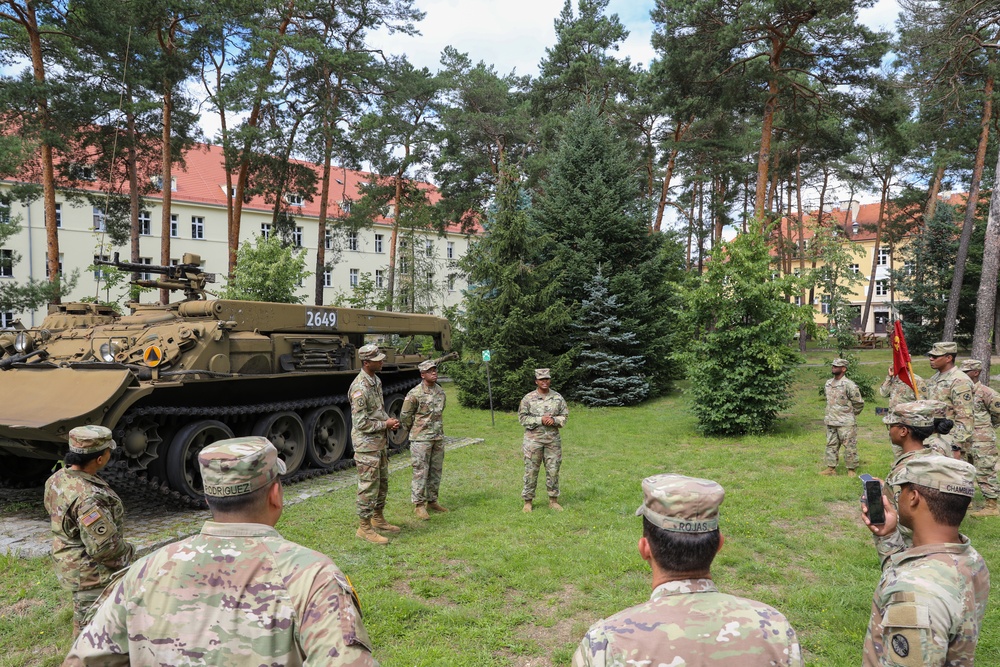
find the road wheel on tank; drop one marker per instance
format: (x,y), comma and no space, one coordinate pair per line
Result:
(328,435)
(288,435)
(399,438)
(182,457)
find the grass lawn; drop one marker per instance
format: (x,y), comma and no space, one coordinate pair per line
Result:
(489,585)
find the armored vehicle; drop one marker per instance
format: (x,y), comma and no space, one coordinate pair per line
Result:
(169,380)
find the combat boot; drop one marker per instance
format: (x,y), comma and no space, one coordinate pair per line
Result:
(421,511)
(366,532)
(379,523)
(829,472)
(436,507)
(553,505)
(527,507)
(851,472)
(989,509)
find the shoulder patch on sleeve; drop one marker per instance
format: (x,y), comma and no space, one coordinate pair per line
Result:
(91,517)
(906,615)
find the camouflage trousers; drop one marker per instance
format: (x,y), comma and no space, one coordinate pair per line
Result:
(984,457)
(373,481)
(428,462)
(84,607)
(837,436)
(536,454)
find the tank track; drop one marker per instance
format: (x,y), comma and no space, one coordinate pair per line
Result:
(118,474)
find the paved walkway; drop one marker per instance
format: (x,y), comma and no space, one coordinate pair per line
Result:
(150,523)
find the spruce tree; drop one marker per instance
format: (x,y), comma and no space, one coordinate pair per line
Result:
(591,203)
(609,359)
(513,308)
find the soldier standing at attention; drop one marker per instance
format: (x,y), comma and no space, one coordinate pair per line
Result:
(953,388)
(898,391)
(985,418)
(687,621)
(928,607)
(843,404)
(235,594)
(542,413)
(87,517)
(421,415)
(369,427)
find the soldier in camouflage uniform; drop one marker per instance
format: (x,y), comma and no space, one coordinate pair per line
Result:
(954,388)
(235,594)
(985,419)
(369,426)
(843,404)
(929,606)
(542,413)
(88,546)
(687,621)
(421,415)
(898,391)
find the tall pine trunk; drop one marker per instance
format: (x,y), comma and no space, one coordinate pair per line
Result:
(987,295)
(886,180)
(166,163)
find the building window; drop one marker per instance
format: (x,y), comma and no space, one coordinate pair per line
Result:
(798,301)
(58,216)
(99,222)
(197,227)
(173,226)
(430,279)
(6,320)
(855,228)
(145,275)
(144,223)
(327,279)
(909,267)
(293,199)
(297,237)
(98,271)
(824,304)
(354,277)
(60,269)
(265,230)
(379,278)
(83,172)
(881,287)
(352,240)
(855,268)
(451,250)
(404,267)
(6,263)
(429,247)
(345,206)
(451,282)
(158,182)
(883,256)
(5,213)
(378,242)
(328,239)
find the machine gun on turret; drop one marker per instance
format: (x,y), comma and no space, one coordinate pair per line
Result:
(186,276)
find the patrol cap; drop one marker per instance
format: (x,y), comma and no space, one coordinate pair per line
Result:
(542,374)
(681,504)
(943,473)
(971,365)
(90,439)
(839,362)
(239,466)
(916,413)
(942,348)
(425,366)
(370,352)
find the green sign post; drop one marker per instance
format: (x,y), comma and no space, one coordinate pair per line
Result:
(489,386)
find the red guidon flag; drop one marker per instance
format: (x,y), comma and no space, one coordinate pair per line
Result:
(901,367)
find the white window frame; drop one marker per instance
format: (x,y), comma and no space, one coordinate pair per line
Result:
(145,275)
(145,224)
(883,256)
(328,239)
(451,250)
(265,230)
(379,242)
(98,271)
(429,247)
(855,268)
(6,263)
(328,278)
(352,241)
(100,220)
(882,287)
(379,278)
(58,215)
(174,232)
(198,227)
(293,198)
(6,320)
(297,237)
(355,276)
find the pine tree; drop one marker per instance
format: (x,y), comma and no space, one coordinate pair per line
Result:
(513,308)
(609,359)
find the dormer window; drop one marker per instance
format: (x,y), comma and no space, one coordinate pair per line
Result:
(855,228)
(83,172)
(158,182)
(293,199)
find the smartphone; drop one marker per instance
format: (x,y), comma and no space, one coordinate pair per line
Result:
(873,499)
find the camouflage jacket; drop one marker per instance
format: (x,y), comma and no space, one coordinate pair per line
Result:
(898,391)
(928,608)
(843,402)
(422,412)
(954,388)
(87,518)
(534,406)
(368,415)
(235,594)
(690,622)
(985,411)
